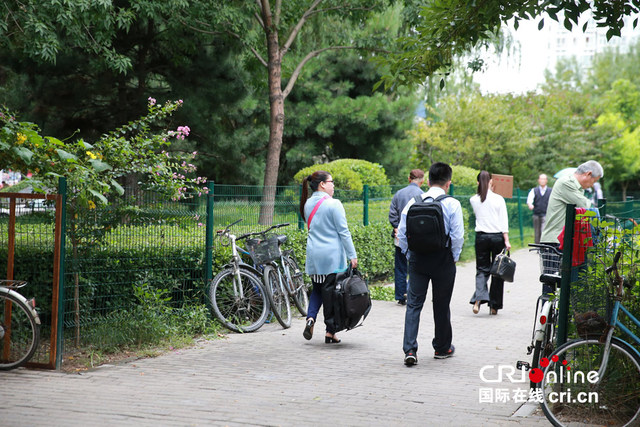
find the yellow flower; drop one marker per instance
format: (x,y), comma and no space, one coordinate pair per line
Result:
(90,154)
(91,205)
(21,138)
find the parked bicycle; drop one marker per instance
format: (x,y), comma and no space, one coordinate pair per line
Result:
(596,377)
(19,326)
(237,294)
(544,322)
(281,273)
(264,249)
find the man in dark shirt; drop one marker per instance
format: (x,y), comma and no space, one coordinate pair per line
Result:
(399,201)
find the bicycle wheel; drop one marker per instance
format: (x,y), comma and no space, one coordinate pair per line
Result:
(278,299)
(296,287)
(19,332)
(545,346)
(573,391)
(243,306)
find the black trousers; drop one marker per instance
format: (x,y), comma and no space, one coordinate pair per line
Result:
(439,269)
(488,245)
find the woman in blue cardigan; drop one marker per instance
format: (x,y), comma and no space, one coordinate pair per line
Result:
(329,245)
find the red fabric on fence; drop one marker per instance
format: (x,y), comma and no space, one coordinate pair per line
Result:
(582,238)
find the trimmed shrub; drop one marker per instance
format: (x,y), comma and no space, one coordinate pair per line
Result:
(352,174)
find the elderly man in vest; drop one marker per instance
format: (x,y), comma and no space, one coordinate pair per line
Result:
(538,200)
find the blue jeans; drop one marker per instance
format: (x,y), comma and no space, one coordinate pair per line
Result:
(440,269)
(400,275)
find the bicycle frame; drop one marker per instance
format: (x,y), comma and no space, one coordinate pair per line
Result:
(236,260)
(542,320)
(617,307)
(614,322)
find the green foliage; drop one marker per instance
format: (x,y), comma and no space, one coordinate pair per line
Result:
(448,28)
(594,288)
(351,174)
(382,293)
(93,169)
(464,177)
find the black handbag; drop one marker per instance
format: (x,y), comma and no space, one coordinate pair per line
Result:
(503,266)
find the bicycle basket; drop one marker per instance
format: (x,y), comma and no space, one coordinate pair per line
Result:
(590,324)
(263,251)
(550,262)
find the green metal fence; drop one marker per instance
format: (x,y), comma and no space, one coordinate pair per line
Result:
(145,242)
(590,245)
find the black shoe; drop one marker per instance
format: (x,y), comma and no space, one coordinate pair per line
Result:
(308,330)
(446,354)
(331,340)
(410,358)
(401,302)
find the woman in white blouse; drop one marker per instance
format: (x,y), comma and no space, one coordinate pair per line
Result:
(492,236)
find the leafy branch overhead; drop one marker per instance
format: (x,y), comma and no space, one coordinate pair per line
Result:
(94,170)
(447,28)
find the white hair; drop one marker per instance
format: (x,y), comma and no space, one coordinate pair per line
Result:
(591,166)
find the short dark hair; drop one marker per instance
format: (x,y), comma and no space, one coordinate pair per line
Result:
(416,174)
(440,173)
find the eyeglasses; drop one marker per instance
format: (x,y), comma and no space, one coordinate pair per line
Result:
(329,180)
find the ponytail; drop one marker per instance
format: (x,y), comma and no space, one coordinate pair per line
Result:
(483,185)
(312,181)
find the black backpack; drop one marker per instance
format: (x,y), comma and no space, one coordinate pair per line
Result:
(425,225)
(352,300)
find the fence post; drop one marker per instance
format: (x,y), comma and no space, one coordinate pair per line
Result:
(300,219)
(565,281)
(62,190)
(451,189)
(602,207)
(208,263)
(365,213)
(520,218)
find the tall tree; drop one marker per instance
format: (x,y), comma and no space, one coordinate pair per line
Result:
(271,30)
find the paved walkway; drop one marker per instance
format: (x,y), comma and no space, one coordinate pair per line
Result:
(275,377)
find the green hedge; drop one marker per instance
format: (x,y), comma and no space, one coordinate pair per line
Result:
(106,276)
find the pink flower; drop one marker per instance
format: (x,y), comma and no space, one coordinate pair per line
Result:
(152,101)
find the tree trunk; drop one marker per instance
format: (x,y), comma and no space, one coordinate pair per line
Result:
(276,127)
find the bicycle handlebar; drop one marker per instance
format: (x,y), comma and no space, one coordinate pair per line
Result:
(619,281)
(545,246)
(226,230)
(262,233)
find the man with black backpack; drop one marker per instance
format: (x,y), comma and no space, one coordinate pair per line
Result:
(431,233)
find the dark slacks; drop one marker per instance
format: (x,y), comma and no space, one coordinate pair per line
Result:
(488,245)
(538,226)
(439,269)
(321,296)
(400,274)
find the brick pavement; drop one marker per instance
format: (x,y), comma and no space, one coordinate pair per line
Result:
(275,377)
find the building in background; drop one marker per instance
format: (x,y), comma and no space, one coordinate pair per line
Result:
(522,68)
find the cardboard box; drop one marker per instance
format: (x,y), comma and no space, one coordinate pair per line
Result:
(503,185)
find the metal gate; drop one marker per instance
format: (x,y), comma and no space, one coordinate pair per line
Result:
(31,241)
